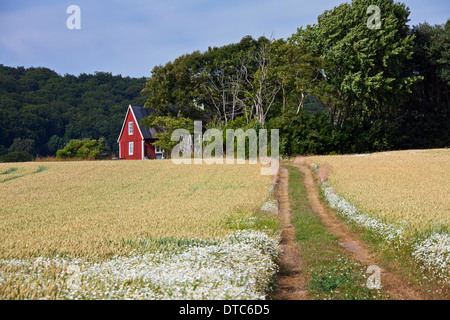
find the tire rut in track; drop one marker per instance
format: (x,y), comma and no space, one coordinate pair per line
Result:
(291,280)
(356,248)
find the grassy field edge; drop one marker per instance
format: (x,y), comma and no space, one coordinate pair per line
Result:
(397,251)
(330,274)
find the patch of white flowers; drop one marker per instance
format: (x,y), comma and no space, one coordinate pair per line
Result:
(391,233)
(242,266)
(314,167)
(270,206)
(433,251)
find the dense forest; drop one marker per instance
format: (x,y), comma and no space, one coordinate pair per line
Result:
(41,111)
(380,89)
(338,86)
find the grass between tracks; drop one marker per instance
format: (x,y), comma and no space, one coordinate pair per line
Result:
(330,274)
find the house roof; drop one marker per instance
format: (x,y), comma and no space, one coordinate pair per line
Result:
(140,113)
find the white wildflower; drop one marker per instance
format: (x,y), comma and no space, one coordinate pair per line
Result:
(434,253)
(241,266)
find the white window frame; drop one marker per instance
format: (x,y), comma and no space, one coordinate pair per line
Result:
(130,148)
(158,151)
(130,128)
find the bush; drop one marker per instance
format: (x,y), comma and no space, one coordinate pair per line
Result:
(16,156)
(22,145)
(55,143)
(81,149)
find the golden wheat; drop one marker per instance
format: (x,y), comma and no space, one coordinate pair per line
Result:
(411,186)
(83,208)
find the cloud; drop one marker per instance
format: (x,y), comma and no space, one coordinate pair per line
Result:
(131,37)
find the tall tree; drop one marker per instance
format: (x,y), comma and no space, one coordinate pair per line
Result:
(174,89)
(362,72)
(297,73)
(426,112)
(261,87)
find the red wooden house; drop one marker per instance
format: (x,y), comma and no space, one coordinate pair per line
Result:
(135,141)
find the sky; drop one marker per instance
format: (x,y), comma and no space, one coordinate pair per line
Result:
(130,37)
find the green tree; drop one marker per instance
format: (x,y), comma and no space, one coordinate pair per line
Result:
(16,156)
(174,88)
(81,149)
(260,86)
(3,150)
(55,143)
(169,125)
(222,76)
(297,72)
(426,112)
(201,85)
(363,74)
(22,145)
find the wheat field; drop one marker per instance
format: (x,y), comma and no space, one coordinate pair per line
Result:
(84,208)
(411,186)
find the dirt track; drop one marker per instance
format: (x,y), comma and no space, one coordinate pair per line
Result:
(291,282)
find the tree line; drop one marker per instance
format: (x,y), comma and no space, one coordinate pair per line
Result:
(371,89)
(41,111)
(336,86)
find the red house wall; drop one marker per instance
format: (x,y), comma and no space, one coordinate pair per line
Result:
(126,138)
(150,149)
